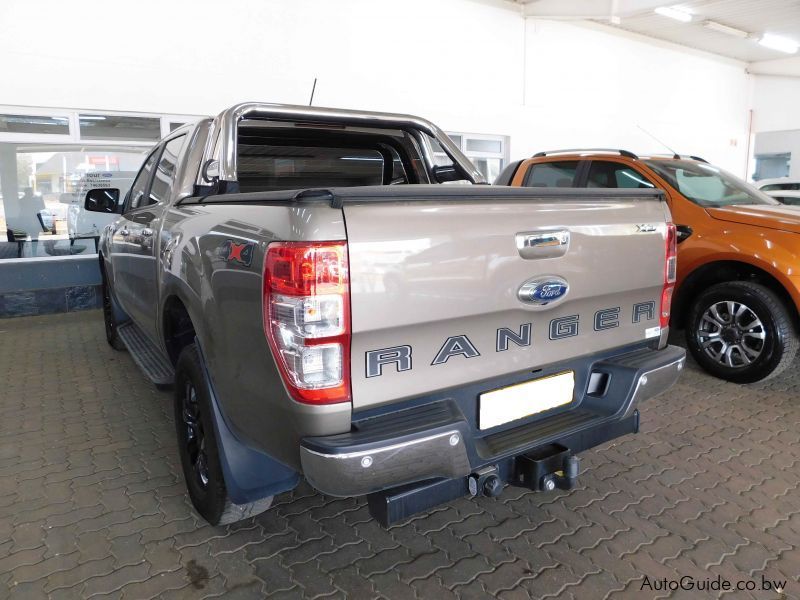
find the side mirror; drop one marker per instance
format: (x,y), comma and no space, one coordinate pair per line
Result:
(103,200)
(446,174)
(683,232)
(210,171)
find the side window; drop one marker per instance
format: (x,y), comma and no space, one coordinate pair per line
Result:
(615,175)
(140,183)
(552,174)
(166,170)
(772,187)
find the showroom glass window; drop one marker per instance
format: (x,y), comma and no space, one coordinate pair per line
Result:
(49,159)
(552,174)
(42,190)
(489,153)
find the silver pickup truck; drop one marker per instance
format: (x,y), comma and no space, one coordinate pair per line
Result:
(325,308)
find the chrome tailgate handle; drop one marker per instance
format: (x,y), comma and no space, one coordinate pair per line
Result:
(543,244)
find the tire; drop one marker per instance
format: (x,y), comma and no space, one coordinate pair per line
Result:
(197,445)
(741,332)
(112,335)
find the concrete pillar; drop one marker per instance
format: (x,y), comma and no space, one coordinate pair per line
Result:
(8,184)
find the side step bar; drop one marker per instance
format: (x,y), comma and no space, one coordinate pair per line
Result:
(156,367)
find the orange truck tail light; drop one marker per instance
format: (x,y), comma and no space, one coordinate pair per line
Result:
(307,318)
(670,274)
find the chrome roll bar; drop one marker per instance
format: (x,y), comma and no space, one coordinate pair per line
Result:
(223,134)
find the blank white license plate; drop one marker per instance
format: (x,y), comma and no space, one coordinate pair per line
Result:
(524,399)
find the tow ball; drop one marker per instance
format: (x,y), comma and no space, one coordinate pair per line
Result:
(546,469)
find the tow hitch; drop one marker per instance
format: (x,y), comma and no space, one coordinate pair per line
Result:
(546,469)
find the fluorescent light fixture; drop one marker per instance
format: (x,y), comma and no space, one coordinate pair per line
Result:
(674,12)
(779,43)
(92,118)
(727,30)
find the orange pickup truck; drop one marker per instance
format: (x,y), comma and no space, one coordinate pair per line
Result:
(738,290)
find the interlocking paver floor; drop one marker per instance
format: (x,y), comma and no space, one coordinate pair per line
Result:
(92,501)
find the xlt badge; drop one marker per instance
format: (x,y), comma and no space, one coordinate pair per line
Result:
(543,290)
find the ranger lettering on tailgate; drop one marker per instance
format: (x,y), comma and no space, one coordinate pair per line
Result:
(460,345)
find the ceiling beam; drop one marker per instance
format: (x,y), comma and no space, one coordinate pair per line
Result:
(606,10)
(786,67)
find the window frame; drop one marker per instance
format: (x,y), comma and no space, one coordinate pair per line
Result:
(73,115)
(622,165)
(578,179)
(163,145)
(126,207)
(57,138)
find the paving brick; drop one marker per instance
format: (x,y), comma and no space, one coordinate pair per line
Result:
(311,580)
(9,562)
(92,500)
(507,575)
(27,536)
(206,588)
(162,556)
(433,588)
(342,556)
(155,586)
(116,580)
(45,568)
(384,561)
(78,575)
(464,571)
(91,545)
(273,573)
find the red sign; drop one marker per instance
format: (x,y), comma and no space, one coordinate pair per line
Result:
(103,160)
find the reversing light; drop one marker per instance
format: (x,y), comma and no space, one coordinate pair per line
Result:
(307,318)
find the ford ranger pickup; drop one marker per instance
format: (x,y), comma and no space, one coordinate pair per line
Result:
(325,308)
(737,295)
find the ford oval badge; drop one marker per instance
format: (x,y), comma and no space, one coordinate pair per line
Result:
(543,290)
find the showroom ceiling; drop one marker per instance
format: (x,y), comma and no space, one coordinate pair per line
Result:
(730,28)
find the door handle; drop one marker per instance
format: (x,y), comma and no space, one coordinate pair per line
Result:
(147,232)
(543,244)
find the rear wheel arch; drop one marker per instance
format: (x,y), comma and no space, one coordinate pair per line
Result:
(710,274)
(178,327)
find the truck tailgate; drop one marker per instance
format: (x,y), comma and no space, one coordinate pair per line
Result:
(436,276)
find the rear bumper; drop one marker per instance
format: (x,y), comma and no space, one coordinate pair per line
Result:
(437,440)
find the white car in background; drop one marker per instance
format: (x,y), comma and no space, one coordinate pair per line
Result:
(83,224)
(784,189)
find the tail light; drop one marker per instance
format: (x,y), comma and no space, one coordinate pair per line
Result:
(670,274)
(307,318)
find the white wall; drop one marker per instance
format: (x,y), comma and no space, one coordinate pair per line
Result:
(589,87)
(776,103)
(469,65)
(776,118)
(455,64)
